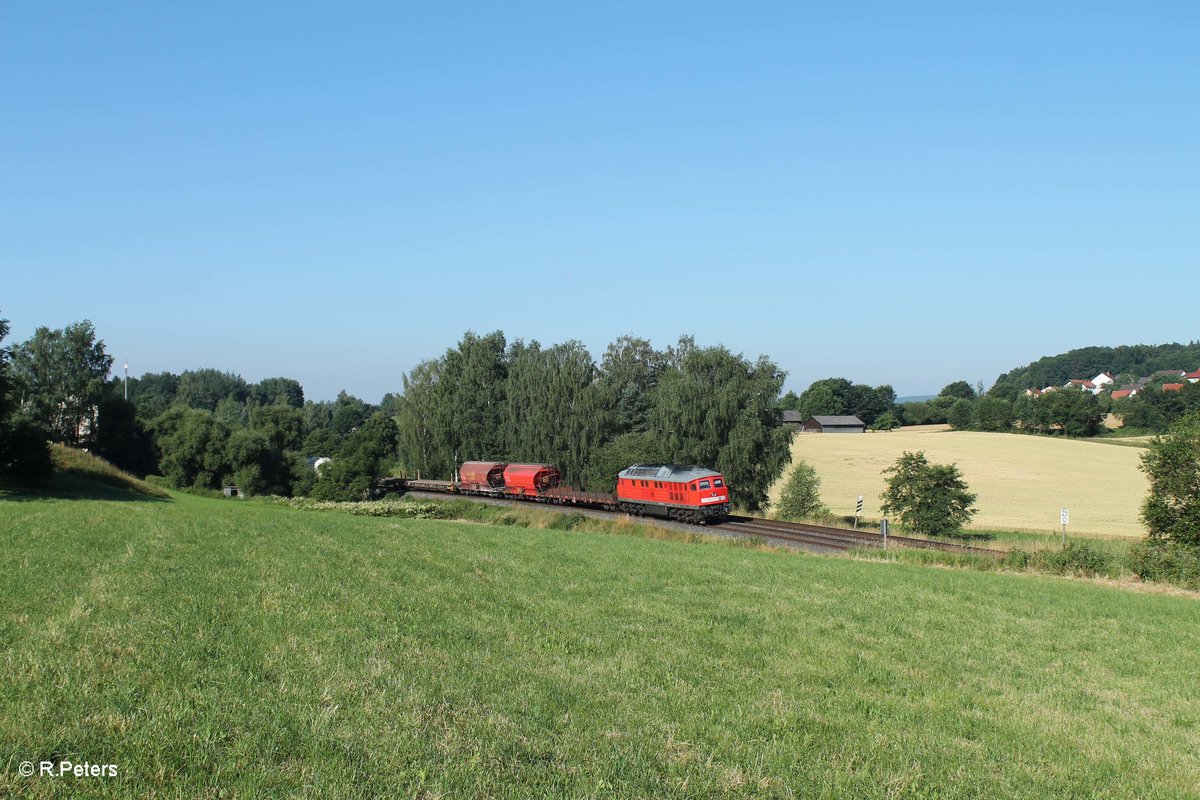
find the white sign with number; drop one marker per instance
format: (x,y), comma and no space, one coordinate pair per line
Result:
(1065,515)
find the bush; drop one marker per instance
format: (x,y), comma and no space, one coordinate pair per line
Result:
(801,496)
(1172,464)
(1076,558)
(567,522)
(25,454)
(1167,563)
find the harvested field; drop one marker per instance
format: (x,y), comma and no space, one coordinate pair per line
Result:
(1022,481)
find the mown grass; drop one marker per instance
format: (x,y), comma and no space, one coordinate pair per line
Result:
(236,650)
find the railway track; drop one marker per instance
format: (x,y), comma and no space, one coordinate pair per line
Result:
(811,537)
(841,538)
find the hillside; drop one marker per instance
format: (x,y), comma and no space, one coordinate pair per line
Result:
(224,648)
(1087,362)
(1022,481)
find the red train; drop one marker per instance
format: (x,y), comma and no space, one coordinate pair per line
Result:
(676,491)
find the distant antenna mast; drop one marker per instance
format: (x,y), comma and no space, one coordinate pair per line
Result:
(127,379)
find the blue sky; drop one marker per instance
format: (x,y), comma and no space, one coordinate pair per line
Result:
(895,193)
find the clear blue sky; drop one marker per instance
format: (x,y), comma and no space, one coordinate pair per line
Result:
(892,192)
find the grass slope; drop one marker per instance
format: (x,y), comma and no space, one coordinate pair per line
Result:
(230,649)
(1022,481)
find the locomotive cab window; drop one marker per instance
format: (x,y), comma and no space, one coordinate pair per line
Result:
(718,483)
(703,484)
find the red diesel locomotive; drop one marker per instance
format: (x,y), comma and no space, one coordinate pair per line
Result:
(676,491)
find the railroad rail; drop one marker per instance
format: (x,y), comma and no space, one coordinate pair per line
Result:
(841,538)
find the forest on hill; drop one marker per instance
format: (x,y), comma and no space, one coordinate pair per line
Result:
(1130,360)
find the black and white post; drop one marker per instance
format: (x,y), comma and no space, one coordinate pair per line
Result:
(1064,516)
(857,511)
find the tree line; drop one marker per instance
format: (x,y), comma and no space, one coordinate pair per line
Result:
(1126,363)
(489,399)
(484,399)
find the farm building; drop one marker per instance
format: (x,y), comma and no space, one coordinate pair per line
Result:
(834,425)
(792,419)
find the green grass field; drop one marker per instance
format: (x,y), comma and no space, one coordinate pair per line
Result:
(215,648)
(1022,481)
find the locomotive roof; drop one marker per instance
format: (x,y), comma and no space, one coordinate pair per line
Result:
(675,472)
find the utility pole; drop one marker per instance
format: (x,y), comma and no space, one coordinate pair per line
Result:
(126,379)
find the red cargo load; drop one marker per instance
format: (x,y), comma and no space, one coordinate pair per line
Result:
(481,475)
(530,479)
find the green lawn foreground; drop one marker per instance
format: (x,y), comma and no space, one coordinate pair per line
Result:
(240,650)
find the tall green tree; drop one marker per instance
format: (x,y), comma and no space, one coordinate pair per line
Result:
(419,424)
(24,454)
(61,377)
(194,446)
(958,390)
(928,498)
(628,375)
(205,388)
(471,384)
(553,406)
(1171,511)
(717,409)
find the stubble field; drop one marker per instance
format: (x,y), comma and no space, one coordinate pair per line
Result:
(1022,481)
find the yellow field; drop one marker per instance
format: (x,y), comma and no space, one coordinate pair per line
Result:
(1022,481)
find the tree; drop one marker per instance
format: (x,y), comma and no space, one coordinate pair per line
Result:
(24,454)
(600,474)
(789,402)
(628,374)
(801,497)
(153,393)
(928,498)
(367,453)
(205,388)
(121,438)
(958,389)
(1171,511)
(60,375)
(961,414)
(886,422)
(277,391)
(717,409)
(193,444)
(993,413)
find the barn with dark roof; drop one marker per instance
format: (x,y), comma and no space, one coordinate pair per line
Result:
(834,425)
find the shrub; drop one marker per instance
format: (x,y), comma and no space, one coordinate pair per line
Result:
(25,454)
(1164,562)
(801,496)
(1076,558)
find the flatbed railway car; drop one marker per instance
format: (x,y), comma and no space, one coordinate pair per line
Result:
(685,492)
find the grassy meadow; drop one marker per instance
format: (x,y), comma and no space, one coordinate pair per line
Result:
(242,649)
(1022,481)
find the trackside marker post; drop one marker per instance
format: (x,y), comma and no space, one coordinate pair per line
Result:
(1064,516)
(857,511)
(883,528)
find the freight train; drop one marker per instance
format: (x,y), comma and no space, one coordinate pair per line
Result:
(683,492)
